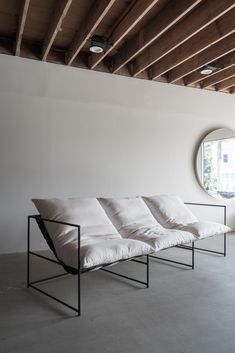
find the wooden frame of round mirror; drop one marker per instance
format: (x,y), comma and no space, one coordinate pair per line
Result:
(215,163)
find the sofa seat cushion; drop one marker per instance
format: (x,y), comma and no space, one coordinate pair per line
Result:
(133,220)
(169,210)
(99,253)
(205,229)
(161,238)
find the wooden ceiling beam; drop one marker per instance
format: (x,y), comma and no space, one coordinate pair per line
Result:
(216,31)
(219,77)
(134,16)
(210,54)
(56,23)
(226,84)
(222,63)
(96,14)
(194,22)
(168,16)
(21,25)
(32,51)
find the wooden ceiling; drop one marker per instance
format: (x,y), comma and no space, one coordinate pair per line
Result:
(163,40)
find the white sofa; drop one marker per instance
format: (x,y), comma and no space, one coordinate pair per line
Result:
(87,234)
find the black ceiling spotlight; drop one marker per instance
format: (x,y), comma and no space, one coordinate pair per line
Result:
(98,44)
(208,69)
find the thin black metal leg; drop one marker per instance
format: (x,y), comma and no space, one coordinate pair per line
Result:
(147,285)
(225,239)
(28,251)
(79,276)
(193,255)
(225,245)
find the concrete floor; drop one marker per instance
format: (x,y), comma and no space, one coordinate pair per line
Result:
(183,311)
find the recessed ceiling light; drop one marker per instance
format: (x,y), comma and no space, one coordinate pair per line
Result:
(208,69)
(98,44)
(96,49)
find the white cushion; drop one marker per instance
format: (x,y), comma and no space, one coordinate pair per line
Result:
(205,229)
(169,210)
(128,213)
(96,231)
(133,219)
(106,252)
(160,238)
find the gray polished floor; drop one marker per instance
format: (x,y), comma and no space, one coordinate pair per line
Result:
(183,311)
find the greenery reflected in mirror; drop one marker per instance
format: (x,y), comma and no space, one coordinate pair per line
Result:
(216,163)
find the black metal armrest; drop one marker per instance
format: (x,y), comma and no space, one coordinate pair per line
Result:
(50,242)
(210,205)
(53,221)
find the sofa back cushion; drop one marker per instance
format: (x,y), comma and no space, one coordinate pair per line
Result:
(169,210)
(128,214)
(94,223)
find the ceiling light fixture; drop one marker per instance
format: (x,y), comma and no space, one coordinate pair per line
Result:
(208,69)
(98,44)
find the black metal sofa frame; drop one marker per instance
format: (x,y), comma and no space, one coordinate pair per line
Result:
(70,270)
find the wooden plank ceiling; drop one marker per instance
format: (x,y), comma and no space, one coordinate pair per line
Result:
(163,40)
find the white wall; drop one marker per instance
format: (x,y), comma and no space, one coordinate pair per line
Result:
(71,132)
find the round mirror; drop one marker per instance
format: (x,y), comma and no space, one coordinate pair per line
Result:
(215,163)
